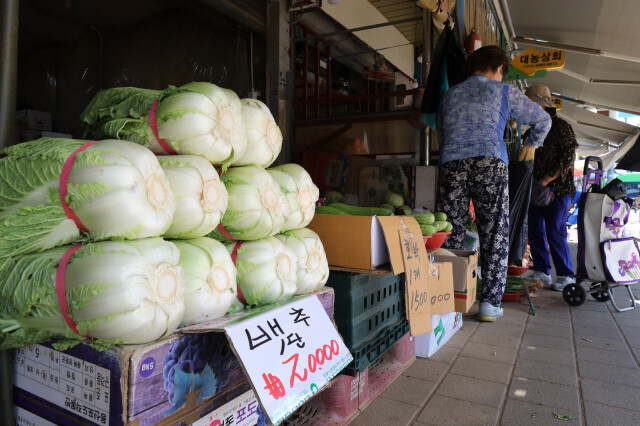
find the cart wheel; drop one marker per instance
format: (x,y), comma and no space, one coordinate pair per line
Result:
(602,295)
(574,294)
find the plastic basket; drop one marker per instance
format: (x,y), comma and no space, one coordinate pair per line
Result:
(436,240)
(366,304)
(368,353)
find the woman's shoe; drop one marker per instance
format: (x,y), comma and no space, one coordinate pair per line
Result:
(489,313)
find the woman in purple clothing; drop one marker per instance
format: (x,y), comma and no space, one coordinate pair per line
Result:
(474,162)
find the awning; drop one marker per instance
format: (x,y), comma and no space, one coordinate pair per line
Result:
(592,129)
(609,27)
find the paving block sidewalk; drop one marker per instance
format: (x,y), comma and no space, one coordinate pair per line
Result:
(583,363)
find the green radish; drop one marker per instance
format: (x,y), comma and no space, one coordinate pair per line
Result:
(394,199)
(404,210)
(428,229)
(424,218)
(440,217)
(439,225)
(334,197)
(330,210)
(361,211)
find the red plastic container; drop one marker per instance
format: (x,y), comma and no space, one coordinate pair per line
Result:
(516,270)
(511,297)
(436,240)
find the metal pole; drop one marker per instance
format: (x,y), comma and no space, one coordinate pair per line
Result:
(8,89)
(8,70)
(425,139)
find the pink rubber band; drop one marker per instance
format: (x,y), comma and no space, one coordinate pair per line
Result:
(154,128)
(226,233)
(64,180)
(234,258)
(61,291)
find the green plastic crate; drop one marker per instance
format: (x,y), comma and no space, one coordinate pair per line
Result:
(370,352)
(366,304)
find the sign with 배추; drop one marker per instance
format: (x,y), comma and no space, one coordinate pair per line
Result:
(289,354)
(532,60)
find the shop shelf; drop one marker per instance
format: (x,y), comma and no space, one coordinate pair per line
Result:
(366,304)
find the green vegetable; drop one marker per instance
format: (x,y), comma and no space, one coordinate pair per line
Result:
(562,417)
(116,188)
(440,217)
(388,207)
(201,198)
(448,227)
(267,271)
(334,197)
(312,265)
(197,118)
(394,199)
(211,280)
(439,225)
(428,229)
(330,210)
(424,218)
(302,194)
(360,211)
(405,210)
(117,291)
(257,205)
(264,139)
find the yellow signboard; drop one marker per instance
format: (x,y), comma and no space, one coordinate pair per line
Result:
(532,60)
(557,102)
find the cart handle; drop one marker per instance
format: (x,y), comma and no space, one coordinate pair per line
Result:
(587,171)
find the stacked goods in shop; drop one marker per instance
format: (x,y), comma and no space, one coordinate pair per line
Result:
(140,288)
(263,204)
(61,191)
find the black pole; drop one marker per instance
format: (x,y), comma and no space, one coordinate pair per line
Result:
(8,88)
(8,70)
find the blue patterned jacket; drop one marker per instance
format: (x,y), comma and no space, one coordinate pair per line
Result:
(474,113)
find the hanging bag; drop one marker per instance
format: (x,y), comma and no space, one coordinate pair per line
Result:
(621,260)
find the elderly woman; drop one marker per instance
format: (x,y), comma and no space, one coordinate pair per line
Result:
(474,162)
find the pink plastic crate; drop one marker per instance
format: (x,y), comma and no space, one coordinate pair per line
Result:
(348,396)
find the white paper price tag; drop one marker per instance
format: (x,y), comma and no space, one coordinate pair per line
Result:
(289,354)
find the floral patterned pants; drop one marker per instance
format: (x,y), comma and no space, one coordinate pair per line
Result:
(485,181)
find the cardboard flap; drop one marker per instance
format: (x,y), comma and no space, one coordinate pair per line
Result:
(390,227)
(441,288)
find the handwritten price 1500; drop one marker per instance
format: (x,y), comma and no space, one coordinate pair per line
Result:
(314,360)
(420,298)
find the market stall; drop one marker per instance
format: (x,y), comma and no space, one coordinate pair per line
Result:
(165,263)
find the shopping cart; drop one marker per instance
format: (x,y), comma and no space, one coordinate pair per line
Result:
(608,256)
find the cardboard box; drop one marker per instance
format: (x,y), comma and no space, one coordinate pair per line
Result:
(465,277)
(424,187)
(31,135)
(360,242)
(131,384)
(34,120)
(464,300)
(444,327)
(370,189)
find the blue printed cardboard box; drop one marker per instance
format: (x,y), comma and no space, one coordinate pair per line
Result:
(156,383)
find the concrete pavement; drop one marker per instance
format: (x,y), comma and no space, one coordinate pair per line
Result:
(580,364)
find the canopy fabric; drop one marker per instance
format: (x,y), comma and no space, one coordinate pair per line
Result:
(610,26)
(592,129)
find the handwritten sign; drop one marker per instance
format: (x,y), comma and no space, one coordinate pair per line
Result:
(532,60)
(414,255)
(440,284)
(289,353)
(557,102)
